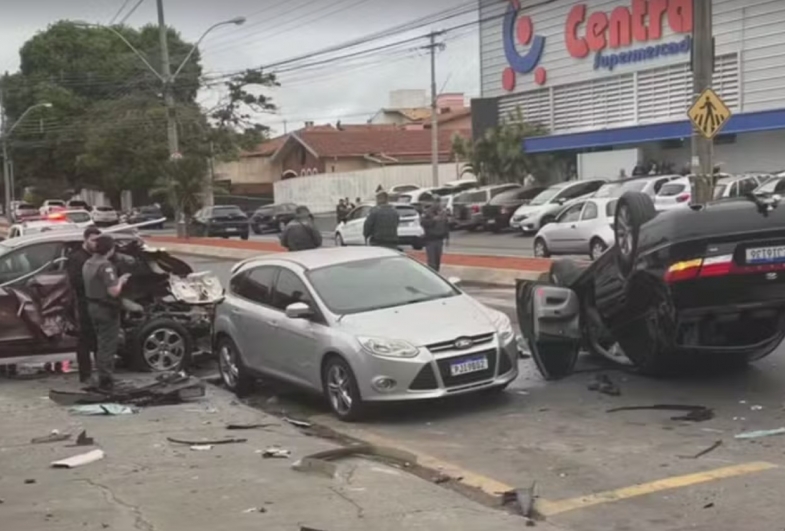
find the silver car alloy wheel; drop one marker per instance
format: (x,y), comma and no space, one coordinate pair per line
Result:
(163,349)
(623,228)
(227,361)
(539,249)
(597,248)
(339,389)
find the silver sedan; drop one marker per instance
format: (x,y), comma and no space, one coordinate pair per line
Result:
(359,325)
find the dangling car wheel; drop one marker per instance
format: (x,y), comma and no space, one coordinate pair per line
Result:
(234,374)
(162,345)
(633,210)
(341,390)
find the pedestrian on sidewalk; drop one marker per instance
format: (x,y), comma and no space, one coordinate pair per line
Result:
(436,232)
(381,225)
(102,290)
(86,341)
(341,211)
(301,234)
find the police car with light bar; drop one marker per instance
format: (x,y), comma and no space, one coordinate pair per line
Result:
(681,289)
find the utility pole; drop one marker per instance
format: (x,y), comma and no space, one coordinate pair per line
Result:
(433,46)
(6,169)
(166,73)
(702,72)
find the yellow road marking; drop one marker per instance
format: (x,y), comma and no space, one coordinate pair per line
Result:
(546,507)
(550,508)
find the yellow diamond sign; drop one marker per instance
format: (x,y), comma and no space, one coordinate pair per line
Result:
(709,114)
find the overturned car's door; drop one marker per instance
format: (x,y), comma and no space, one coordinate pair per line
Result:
(549,318)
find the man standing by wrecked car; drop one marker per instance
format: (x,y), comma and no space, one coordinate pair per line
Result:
(301,234)
(102,289)
(86,343)
(436,230)
(381,225)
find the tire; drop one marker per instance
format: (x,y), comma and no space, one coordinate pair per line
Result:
(540,249)
(633,210)
(335,368)
(339,240)
(596,248)
(256,229)
(233,372)
(244,236)
(418,246)
(161,345)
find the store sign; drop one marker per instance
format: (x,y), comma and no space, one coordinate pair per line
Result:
(643,22)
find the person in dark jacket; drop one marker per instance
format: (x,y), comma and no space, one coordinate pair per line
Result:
(300,234)
(381,225)
(341,211)
(86,342)
(436,230)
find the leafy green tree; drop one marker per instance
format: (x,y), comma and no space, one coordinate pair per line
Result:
(499,156)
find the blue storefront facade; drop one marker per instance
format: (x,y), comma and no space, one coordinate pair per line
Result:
(612,75)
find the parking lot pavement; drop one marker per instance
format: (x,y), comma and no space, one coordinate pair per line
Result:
(601,470)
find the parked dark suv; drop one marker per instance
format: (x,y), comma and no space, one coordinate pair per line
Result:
(497,212)
(224,221)
(272,217)
(467,207)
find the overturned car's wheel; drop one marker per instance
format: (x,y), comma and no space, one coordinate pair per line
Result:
(633,210)
(162,345)
(234,374)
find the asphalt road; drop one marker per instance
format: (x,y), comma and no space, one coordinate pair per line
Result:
(597,470)
(461,242)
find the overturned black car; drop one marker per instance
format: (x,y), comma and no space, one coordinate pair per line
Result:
(685,287)
(167,309)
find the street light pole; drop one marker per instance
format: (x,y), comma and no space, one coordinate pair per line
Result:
(166,74)
(702,72)
(433,46)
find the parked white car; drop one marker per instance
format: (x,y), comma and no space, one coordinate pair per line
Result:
(51,205)
(735,186)
(27,228)
(105,215)
(546,206)
(350,232)
(80,218)
(673,195)
(585,227)
(649,185)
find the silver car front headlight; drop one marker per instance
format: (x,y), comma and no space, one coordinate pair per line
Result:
(388,348)
(503,326)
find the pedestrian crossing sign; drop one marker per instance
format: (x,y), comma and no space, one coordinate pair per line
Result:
(709,114)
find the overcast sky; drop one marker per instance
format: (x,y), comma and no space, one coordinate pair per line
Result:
(350,89)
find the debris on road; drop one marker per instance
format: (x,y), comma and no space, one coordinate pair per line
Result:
(30,482)
(756,408)
(83,440)
(102,409)
(201,447)
(230,440)
(694,413)
(760,433)
(703,452)
(276,452)
(165,389)
(709,505)
(54,436)
(249,426)
(298,423)
(603,384)
(79,460)
(322,462)
(524,498)
(255,510)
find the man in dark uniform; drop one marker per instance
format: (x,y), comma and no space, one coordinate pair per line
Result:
(300,234)
(381,225)
(102,289)
(436,230)
(86,344)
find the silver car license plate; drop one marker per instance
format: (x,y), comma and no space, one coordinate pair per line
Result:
(480,363)
(766,255)
(231,229)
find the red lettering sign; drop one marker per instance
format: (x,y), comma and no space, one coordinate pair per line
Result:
(624,25)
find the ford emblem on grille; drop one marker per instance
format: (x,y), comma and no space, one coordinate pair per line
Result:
(463,343)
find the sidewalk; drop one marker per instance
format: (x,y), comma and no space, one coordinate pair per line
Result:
(147,483)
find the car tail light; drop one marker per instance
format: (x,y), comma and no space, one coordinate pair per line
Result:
(686,270)
(682,198)
(715,266)
(476,209)
(56,216)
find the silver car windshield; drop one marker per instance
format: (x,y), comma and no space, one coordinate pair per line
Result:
(367,285)
(546,195)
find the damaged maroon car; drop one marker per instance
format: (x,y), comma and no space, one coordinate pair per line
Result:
(685,288)
(167,309)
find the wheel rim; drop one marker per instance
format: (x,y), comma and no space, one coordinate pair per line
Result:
(227,361)
(597,249)
(624,231)
(163,349)
(539,249)
(339,389)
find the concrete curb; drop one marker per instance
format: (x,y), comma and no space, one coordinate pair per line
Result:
(468,274)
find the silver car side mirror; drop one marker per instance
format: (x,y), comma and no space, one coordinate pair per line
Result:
(298,310)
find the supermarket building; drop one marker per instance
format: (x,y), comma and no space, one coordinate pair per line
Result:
(611,79)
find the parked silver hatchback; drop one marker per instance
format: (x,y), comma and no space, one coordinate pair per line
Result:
(359,325)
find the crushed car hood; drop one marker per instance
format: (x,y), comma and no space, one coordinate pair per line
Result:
(423,323)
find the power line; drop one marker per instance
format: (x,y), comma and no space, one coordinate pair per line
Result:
(133,10)
(125,3)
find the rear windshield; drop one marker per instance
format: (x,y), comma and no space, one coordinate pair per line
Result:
(610,209)
(406,212)
(104,209)
(56,203)
(78,217)
(671,189)
(226,210)
(471,197)
(25,206)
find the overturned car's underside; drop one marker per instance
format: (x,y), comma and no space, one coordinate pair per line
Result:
(701,285)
